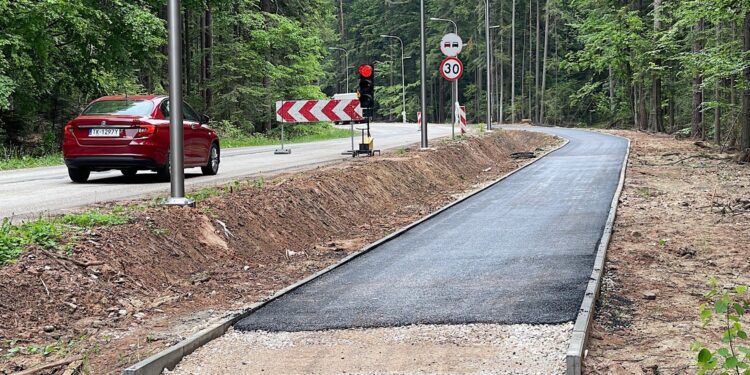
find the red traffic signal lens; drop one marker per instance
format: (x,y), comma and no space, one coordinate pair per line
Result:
(365,70)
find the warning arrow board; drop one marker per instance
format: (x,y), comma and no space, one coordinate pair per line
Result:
(292,111)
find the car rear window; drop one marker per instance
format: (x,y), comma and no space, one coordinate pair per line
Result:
(120,107)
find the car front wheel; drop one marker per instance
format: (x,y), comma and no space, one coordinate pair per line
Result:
(79,175)
(212,168)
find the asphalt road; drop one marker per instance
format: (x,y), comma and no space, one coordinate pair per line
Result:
(519,252)
(31,192)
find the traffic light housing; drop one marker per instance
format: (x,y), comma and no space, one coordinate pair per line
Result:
(366,91)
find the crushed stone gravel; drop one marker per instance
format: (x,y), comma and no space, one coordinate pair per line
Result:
(416,349)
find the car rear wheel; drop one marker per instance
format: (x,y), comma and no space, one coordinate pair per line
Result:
(212,168)
(129,172)
(79,175)
(164,173)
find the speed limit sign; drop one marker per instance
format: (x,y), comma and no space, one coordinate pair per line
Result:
(451,69)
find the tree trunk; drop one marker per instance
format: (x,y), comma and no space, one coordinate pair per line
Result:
(642,111)
(341,20)
(265,6)
(207,43)
(746,94)
(544,64)
(717,95)
(538,57)
(658,116)
(513,64)
(187,51)
(697,123)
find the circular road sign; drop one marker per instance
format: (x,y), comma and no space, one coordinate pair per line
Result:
(451,45)
(451,68)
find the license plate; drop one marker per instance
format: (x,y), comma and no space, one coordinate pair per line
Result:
(104,132)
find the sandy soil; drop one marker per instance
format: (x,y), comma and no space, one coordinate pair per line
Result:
(135,289)
(684,216)
(429,349)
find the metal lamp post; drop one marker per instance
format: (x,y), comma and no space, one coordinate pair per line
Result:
(489,66)
(176,135)
(454,91)
(346,57)
(403,79)
(492,61)
(423,73)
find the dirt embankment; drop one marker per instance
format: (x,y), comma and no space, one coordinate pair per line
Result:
(684,217)
(139,287)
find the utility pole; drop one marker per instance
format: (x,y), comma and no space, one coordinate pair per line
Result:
(403,80)
(423,73)
(489,62)
(346,61)
(492,60)
(176,136)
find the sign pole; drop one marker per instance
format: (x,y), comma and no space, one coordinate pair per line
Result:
(282,150)
(423,74)
(176,136)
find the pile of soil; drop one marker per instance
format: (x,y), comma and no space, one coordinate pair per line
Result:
(684,217)
(128,291)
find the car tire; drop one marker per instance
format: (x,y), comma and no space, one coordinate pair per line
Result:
(129,172)
(164,174)
(214,158)
(79,175)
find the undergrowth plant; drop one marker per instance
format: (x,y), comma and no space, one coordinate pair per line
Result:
(50,233)
(726,308)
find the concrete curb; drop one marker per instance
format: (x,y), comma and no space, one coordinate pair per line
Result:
(170,357)
(579,337)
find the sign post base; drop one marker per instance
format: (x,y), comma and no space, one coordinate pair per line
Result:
(172,201)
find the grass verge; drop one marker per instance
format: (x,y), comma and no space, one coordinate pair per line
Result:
(51,233)
(8,162)
(322,134)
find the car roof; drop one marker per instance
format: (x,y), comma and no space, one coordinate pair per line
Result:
(131,97)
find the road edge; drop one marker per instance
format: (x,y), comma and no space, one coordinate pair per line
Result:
(579,337)
(170,357)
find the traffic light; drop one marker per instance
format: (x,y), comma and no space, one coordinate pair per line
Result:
(366,91)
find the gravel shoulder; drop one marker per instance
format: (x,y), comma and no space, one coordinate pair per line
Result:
(421,349)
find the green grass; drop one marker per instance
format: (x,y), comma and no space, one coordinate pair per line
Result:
(8,162)
(51,233)
(264,140)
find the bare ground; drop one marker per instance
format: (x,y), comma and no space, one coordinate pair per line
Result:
(684,216)
(135,289)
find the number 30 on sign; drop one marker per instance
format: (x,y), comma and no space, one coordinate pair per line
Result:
(451,69)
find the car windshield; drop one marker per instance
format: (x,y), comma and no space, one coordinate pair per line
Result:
(120,107)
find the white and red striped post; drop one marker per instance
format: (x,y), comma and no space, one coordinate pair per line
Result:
(462,118)
(419,120)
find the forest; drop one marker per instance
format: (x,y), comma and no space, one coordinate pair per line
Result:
(680,67)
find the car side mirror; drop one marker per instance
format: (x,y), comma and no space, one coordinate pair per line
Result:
(204,119)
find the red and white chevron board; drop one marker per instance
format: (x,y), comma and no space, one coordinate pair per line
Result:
(318,110)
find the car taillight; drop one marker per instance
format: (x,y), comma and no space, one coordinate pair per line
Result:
(145,131)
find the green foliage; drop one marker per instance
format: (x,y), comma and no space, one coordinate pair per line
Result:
(17,160)
(726,310)
(51,233)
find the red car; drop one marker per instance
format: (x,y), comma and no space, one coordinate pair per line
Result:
(131,133)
